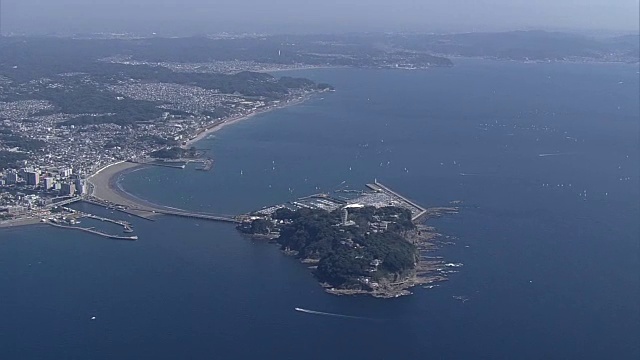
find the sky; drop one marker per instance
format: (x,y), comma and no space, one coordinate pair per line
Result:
(185,17)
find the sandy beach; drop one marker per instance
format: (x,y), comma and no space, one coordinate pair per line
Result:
(103,184)
(236,119)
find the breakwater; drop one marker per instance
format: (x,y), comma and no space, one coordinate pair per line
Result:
(95,232)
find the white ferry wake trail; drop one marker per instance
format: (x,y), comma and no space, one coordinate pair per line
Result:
(331,314)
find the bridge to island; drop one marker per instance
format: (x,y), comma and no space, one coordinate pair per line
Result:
(146,210)
(195,215)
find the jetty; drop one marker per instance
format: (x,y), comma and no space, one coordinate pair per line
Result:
(417,211)
(93,231)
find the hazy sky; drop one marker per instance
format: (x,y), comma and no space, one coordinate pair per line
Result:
(201,16)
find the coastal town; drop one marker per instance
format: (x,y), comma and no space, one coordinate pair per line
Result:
(71,125)
(48,155)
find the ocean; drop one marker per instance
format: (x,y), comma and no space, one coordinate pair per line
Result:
(544,158)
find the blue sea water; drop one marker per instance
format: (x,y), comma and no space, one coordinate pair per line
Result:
(550,244)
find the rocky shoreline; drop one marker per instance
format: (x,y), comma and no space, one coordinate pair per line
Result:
(427,271)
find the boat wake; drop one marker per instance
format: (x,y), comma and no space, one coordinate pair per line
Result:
(306,311)
(554,154)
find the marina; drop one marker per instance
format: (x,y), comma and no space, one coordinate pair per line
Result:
(378,196)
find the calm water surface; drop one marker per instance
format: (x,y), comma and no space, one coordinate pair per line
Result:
(545,158)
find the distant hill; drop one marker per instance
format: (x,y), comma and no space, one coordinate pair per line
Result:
(29,58)
(527,45)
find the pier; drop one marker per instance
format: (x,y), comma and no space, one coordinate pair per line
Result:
(168,164)
(419,210)
(126,225)
(95,232)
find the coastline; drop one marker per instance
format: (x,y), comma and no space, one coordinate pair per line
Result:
(235,119)
(19,222)
(104,182)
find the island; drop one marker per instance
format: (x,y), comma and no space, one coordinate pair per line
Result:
(369,244)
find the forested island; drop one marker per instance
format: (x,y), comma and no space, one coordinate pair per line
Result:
(370,251)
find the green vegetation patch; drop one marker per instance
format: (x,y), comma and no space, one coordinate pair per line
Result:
(346,254)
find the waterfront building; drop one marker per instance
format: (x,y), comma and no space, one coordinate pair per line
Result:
(80,187)
(32,177)
(48,183)
(68,189)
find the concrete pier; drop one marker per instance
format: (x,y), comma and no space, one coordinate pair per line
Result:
(420,211)
(95,232)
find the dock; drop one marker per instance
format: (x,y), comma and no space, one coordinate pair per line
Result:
(165,164)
